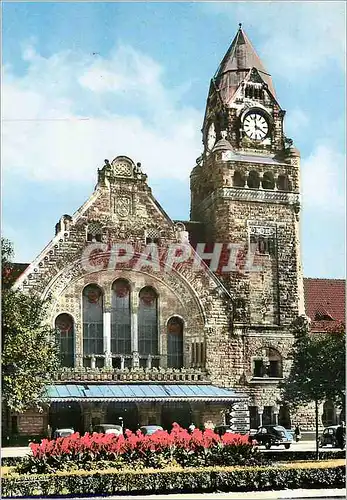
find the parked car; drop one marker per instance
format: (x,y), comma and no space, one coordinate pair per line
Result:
(148,430)
(329,436)
(223,429)
(109,429)
(273,435)
(62,433)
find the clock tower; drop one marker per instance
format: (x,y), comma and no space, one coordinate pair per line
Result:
(245,190)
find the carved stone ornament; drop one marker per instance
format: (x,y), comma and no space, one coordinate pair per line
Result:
(122,169)
(123,206)
(263,230)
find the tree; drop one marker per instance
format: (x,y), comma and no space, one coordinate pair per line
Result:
(318,369)
(29,349)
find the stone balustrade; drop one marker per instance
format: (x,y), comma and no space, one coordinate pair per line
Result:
(178,375)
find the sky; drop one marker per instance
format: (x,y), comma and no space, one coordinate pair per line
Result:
(82,82)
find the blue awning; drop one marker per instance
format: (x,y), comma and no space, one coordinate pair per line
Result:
(142,393)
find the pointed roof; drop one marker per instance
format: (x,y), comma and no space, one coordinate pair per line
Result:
(239,60)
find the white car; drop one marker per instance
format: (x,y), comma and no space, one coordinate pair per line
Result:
(62,433)
(109,429)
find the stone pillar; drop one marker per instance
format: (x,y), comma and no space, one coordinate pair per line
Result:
(134,322)
(136,360)
(275,411)
(92,362)
(260,413)
(107,339)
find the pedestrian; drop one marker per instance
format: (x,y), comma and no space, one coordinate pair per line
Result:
(297,433)
(49,432)
(341,435)
(191,428)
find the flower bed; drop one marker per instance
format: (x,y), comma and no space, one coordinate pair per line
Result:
(201,448)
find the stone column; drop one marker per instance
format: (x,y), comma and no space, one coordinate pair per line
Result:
(260,413)
(134,329)
(107,339)
(275,413)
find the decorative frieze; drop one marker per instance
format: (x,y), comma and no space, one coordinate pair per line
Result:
(245,194)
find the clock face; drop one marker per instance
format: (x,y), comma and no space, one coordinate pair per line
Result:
(211,136)
(255,126)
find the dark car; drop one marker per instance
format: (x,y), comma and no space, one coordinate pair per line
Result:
(273,435)
(148,430)
(328,438)
(223,429)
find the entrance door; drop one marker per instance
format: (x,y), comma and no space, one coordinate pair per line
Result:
(66,415)
(180,413)
(126,413)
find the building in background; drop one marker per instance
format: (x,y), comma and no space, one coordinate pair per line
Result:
(198,341)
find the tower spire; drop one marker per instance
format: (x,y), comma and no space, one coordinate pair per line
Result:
(239,59)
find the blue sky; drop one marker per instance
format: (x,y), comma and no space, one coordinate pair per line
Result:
(88,81)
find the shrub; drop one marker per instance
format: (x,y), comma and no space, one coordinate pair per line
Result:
(173,481)
(136,450)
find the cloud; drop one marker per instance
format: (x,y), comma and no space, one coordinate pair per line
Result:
(69,112)
(301,38)
(322,186)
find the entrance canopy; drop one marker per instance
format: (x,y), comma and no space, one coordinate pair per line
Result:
(142,393)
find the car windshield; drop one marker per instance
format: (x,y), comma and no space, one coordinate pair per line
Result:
(115,428)
(151,429)
(64,432)
(280,428)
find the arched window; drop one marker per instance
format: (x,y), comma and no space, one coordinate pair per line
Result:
(283,183)
(175,342)
(120,318)
(148,321)
(253,180)
(238,179)
(268,181)
(92,320)
(64,327)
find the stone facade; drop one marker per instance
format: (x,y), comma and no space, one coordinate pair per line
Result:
(244,191)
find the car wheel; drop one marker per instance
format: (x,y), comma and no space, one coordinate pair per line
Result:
(287,446)
(267,446)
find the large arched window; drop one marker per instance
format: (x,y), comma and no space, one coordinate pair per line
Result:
(92,320)
(175,342)
(64,327)
(148,321)
(120,318)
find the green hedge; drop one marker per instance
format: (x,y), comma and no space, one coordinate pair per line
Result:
(307,456)
(206,479)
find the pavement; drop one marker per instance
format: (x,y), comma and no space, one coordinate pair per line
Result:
(331,494)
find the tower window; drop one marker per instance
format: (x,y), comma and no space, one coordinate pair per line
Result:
(268,181)
(253,180)
(268,364)
(264,245)
(283,183)
(238,180)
